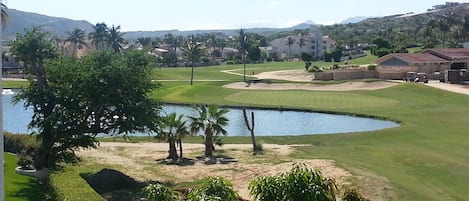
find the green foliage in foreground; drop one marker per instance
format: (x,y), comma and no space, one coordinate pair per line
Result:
(158,192)
(299,184)
(214,189)
(19,187)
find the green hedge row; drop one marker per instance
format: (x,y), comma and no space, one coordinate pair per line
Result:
(68,185)
(14,143)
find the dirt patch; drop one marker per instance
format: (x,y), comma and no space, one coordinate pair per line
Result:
(348,86)
(143,162)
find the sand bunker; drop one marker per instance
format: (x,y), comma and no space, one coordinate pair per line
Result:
(289,75)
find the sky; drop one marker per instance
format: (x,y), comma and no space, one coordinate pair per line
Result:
(153,15)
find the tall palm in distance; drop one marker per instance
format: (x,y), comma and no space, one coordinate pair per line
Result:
(115,40)
(290,42)
(99,36)
(211,121)
(77,38)
(243,45)
(193,50)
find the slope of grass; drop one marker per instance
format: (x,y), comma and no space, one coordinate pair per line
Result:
(19,187)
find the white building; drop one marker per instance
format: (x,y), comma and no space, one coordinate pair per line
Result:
(314,43)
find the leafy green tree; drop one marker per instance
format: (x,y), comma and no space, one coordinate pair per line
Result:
(115,39)
(300,184)
(244,43)
(193,50)
(174,41)
(77,38)
(254,53)
(222,43)
(74,100)
(99,36)
(159,192)
(211,121)
(145,41)
(173,128)
(290,42)
(213,189)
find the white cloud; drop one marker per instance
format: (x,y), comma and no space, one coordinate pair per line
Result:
(272,5)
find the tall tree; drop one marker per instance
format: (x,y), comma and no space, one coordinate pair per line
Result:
(99,36)
(173,129)
(77,38)
(244,43)
(193,50)
(290,42)
(74,100)
(211,121)
(115,39)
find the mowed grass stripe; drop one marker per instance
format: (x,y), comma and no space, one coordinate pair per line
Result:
(322,100)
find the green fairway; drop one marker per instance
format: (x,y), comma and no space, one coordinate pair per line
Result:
(424,159)
(19,187)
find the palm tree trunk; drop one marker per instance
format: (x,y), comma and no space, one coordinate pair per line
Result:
(209,145)
(180,148)
(173,155)
(244,64)
(192,72)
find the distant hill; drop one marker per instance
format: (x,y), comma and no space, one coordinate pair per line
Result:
(136,34)
(18,21)
(355,19)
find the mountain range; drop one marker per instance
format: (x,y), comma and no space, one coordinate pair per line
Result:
(18,21)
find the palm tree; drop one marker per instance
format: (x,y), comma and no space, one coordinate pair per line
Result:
(290,42)
(99,36)
(77,38)
(193,51)
(115,40)
(243,45)
(173,128)
(211,121)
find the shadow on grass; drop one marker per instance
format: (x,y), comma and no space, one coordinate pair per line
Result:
(31,191)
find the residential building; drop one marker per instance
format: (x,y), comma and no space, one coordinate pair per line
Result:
(314,42)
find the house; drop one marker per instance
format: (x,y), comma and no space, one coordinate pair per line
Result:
(314,43)
(434,62)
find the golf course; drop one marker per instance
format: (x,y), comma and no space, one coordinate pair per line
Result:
(426,158)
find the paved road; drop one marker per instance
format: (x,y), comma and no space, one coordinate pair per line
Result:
(456,88)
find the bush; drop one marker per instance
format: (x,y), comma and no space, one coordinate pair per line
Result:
(315,69)
(382,52)
(372,67)
(157,192)
(15,143)
(214,188)
(297,185)
(353,195)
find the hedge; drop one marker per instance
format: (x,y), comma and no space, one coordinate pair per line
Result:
(14,143)
(68,185)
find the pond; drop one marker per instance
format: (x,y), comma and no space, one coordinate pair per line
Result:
(267,122)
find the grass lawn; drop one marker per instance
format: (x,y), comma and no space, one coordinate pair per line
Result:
(19,187)
(424,159)
(8,84)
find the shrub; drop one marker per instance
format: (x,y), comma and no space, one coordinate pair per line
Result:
(157,192)
(353,195)
(297,185)
(382,52)
(15,143)
(315,69)
(67,184)
(214,188)
(372,67)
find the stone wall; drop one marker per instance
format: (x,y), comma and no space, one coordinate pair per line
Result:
(323,76)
